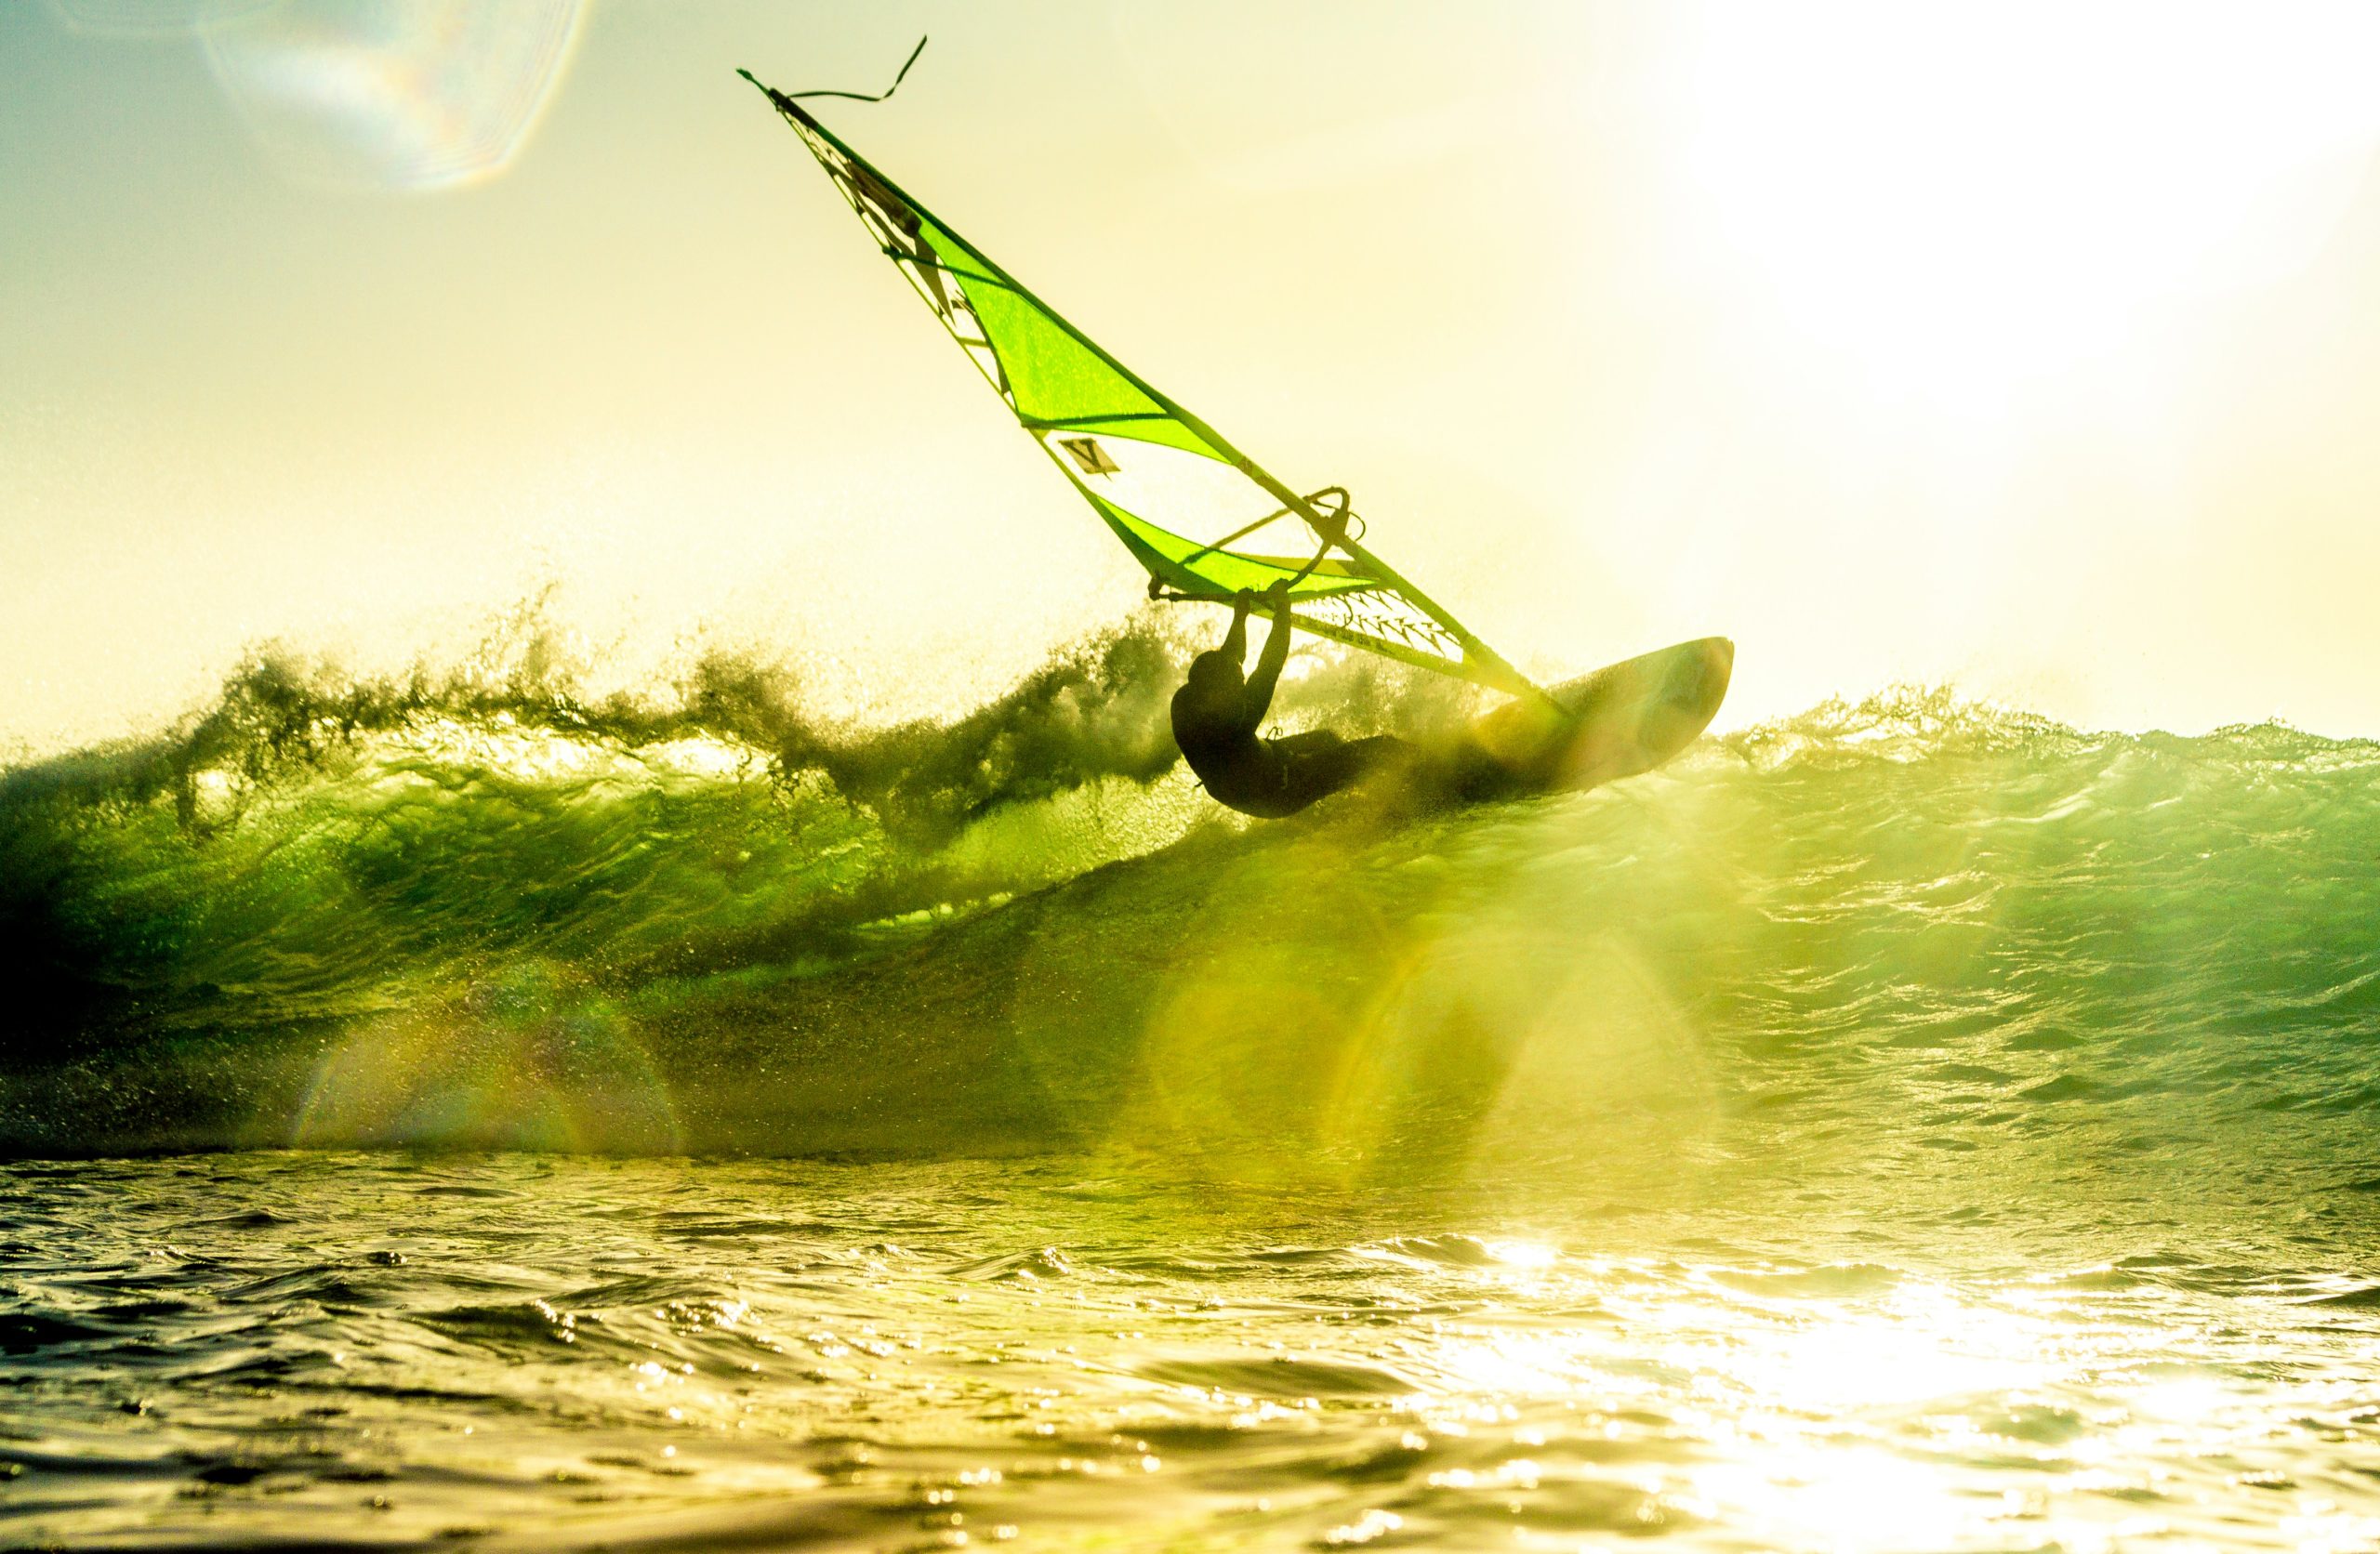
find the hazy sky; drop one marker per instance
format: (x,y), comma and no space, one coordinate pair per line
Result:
(2035,349)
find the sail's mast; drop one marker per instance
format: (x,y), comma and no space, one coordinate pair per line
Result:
(1482,662)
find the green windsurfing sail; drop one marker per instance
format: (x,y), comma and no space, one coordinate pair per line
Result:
(1202,517)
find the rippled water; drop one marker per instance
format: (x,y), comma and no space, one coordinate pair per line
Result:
(550,1352)
(1911,1125)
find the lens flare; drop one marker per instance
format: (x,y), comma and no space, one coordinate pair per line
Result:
(528,1059)
(370,93)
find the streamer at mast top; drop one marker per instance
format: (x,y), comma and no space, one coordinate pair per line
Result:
(1204,519)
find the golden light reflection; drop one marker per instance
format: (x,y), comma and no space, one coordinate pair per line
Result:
(1881,1422)
(1857,1499)
(1920,1348)
(502,746)
(1299,1033)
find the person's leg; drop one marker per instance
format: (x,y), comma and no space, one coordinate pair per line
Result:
(1367,756)
(1317,764)
(1474,776)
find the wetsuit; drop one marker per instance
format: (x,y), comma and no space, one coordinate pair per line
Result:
(1216,715)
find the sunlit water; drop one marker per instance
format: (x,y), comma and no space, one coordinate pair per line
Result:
(1909,1126)
(555,1352)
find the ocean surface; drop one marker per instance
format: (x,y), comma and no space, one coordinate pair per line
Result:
(464,1112)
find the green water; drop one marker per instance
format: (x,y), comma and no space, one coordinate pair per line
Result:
(1906,1125)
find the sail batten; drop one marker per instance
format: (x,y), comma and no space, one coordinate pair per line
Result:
(1175,492)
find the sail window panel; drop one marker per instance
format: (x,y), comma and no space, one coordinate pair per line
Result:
(1358,612)
(1194,566)
(1193,569)
(1202,500)
(987,363)
(1383,617)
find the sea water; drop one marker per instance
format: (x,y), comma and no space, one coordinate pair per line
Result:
(1910,1125)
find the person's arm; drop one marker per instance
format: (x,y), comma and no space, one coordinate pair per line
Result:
(1234,646)
(1269,662)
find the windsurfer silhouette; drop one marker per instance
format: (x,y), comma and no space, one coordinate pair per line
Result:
(1217,712)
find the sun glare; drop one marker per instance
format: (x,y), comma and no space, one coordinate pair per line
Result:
(1956,202)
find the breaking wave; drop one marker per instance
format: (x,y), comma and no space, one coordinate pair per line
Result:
(480,908)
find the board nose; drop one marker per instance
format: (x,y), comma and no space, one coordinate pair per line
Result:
(1698,681)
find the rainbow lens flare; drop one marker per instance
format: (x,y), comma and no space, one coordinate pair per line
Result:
(372,94)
